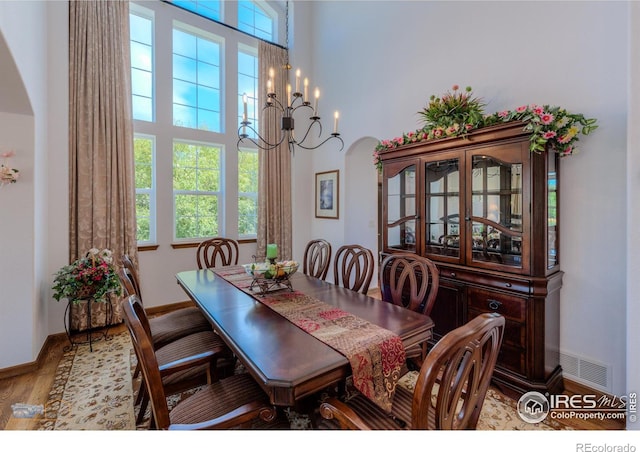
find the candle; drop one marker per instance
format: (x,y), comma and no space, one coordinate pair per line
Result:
(289,93)
(298,81)
(244,101)
(315,106)
(269,91)
(335,122)
(306,89)
(272,251)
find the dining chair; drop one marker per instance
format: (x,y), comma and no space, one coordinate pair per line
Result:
(450,390)
(353,268)
(232,402)
(183,364)
(217,251)
(317,257)
(169,326)
(412,282)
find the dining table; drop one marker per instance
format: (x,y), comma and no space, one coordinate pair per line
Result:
(289,363)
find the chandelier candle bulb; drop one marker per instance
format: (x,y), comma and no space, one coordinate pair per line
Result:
(244,102)
(306,90)
(315,105)
(298,81)
(335,122)
(289,94)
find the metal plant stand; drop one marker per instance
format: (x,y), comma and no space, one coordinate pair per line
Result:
(92,334)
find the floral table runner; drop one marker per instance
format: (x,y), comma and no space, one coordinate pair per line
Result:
(376,355)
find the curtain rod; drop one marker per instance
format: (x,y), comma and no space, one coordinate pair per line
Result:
(225,25)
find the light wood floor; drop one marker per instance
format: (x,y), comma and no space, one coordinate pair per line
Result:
(33,388)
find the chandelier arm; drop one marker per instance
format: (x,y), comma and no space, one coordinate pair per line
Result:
(275,105)
(315,120)
(260,142)
(330,137)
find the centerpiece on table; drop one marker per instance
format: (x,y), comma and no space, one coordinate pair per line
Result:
(457,112)
(271,274)
(8,175)
(90,277)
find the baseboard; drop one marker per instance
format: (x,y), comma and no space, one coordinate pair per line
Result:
(32,366)
(574,387)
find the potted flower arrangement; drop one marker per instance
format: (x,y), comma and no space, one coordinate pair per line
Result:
(92,276)
(457,113)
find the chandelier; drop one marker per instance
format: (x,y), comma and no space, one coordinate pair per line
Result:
(296,103)
(284,111)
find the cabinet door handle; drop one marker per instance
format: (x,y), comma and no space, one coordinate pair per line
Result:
(494,304)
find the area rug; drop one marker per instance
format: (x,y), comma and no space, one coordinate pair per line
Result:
(92,390)
(95,391)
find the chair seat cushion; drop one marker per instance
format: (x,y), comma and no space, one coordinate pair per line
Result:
(218,399)
(193,344)
(176,324)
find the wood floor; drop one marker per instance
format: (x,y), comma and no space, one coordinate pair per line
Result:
(33,388)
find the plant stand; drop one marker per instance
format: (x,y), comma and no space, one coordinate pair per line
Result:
(92,334)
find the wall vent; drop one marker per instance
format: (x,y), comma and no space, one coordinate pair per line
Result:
(585,371)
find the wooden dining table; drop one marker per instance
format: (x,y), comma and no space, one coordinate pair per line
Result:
(289,363)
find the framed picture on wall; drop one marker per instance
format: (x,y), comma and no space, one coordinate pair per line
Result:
(327,194)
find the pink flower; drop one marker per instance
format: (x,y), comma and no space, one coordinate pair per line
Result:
(398,140)
(468,126)
(521,109)
(564,139)
(537,110)
(503,113)
(568,150)
(7,154)
(546,118)
(549,134)
(438,132)
(455,87)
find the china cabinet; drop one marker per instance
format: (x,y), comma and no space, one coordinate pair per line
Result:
(485,209)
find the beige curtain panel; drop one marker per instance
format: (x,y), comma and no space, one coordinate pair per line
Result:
(101,176)
(274,178)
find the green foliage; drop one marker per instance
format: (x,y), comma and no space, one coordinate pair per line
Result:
(455,114)
(93,275)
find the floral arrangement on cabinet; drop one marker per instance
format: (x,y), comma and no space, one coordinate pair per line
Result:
(458,112)
(92,276)
(8,175)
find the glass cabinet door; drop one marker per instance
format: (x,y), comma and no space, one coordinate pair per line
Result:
(401,209)
(496,211)
(442,208)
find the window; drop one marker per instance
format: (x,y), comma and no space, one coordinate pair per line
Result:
(247,193)
(255,20)
(141,64)
(144,150)
(196,81)
(196,189)
(188,77)
(248,85)
(206,8)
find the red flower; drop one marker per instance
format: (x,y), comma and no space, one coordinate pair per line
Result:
(546,118)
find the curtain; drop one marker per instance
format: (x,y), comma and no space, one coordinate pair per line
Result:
(101,173)
(274,178)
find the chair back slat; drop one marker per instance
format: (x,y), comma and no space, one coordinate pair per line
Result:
(459,367)
(410,281)
(217,252)
(317,257)
(132,275)
(353,268)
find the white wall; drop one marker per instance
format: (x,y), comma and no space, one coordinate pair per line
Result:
(380,61)
(23,321)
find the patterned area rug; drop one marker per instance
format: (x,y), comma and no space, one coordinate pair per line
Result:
(92,390)
(95,391)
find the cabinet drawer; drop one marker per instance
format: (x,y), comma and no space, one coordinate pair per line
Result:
(504,304)
(493,281)
(514,332)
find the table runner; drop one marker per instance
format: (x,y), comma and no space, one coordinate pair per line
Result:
(376,355)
